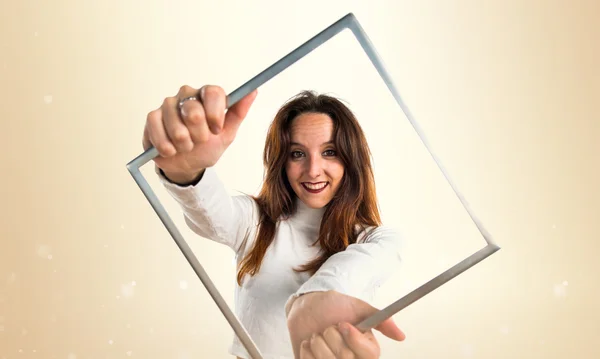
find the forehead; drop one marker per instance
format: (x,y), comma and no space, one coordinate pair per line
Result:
(311,128)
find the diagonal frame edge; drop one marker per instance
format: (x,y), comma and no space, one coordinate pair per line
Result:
(427,288)
(233,321)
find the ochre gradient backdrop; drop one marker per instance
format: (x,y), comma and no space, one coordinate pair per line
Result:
(507,92)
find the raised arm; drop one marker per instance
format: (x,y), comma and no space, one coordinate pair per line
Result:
(190,132)
(211,212)
(340,291)
(359,270)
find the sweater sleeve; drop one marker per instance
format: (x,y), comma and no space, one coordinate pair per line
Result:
(211,212)
(360,269)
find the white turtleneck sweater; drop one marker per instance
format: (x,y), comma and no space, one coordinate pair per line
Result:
(262,300)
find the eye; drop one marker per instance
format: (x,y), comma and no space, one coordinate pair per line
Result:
(330,153)
(296,154)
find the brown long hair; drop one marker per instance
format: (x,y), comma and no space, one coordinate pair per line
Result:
(355,202)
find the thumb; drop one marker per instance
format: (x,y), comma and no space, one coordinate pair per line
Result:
(389,328)
(236,113)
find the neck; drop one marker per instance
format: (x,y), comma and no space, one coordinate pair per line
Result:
(310,217)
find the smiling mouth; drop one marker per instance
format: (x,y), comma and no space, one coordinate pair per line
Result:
(315,188)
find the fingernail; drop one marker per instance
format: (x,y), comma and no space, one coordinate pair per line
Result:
(344,329)
(202,93)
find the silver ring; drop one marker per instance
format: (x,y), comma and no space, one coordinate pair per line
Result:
(181,102)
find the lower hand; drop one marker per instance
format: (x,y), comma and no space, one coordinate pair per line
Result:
(343,341)
(315,312)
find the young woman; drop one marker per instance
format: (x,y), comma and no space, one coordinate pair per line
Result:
(310,247)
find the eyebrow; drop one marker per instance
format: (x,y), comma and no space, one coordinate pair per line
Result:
(301,145)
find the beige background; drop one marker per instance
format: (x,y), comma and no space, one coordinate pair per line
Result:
(506,91)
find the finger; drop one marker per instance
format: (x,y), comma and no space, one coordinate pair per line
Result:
(214,101)
(176,130)
(157,134)
(320,349)
(335,342)
(194,117)
(389,328)
(236,114)
(361,344)
(192,114)
(145,139)
(305,352)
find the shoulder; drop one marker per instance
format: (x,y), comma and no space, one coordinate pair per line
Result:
(380,234)
(246,199)
(247,203)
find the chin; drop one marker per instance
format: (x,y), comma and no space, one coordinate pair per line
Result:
(311,200)
(315,203)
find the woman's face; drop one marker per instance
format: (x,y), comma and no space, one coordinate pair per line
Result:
(313,167)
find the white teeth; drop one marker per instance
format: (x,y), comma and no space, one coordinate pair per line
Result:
(315,186)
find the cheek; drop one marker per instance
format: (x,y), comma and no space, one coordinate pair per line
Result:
(336,173)
(339,172)
(291,171)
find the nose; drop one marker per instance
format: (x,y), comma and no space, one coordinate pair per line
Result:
(315,166)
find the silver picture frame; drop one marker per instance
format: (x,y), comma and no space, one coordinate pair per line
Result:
(351,23)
